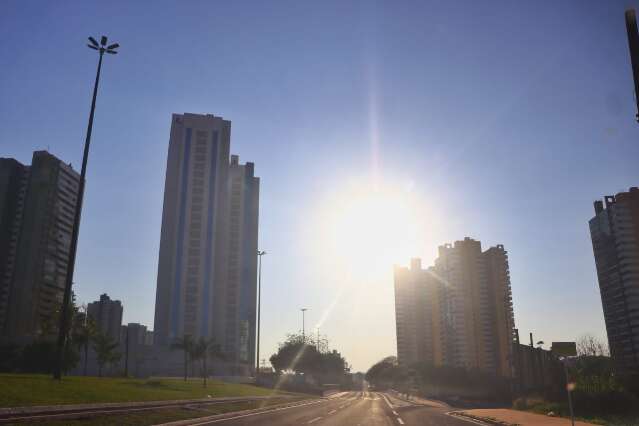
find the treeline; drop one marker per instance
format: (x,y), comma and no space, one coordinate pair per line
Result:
(437,381)
(39,356)
(599,390)
(299,355)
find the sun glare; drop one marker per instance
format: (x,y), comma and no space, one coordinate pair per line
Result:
(372,228)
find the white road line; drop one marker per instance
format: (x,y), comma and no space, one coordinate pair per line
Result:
(206,422)
(387,402)
(401,422)
(332,411)
(314,420)
(395,412)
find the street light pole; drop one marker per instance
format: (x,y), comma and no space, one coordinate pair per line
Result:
(259,296)
(569,389)
(303,335)
(64,312)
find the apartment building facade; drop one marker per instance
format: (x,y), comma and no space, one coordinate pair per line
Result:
(107,315)
(614,232)
(206,283)
(38,208)
(457,312)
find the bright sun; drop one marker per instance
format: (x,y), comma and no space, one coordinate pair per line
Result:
(371,228)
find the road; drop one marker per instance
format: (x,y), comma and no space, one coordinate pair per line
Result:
(345,409)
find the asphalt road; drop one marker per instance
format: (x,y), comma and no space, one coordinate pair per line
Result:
(346,409)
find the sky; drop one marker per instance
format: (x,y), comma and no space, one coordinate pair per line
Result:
(498,120)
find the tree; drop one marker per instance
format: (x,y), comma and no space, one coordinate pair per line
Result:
(185,344)
(201,350)
(296,355)
(589,345)
(105,347)
(40,357)
(386,373)
(83,332)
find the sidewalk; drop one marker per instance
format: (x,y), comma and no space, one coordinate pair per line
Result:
(415,400)
(522,418)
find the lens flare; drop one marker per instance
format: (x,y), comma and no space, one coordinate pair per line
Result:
(370,227)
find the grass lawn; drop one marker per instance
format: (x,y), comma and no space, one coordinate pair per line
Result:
(153,417)
(17,390)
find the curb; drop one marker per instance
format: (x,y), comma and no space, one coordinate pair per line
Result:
(61,412)
(479,420)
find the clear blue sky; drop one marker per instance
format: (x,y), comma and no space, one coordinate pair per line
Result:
(507,119)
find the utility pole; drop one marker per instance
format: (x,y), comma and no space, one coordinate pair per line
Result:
(259,302)
(126,356)
(66,299)
(633,45)
(303,325)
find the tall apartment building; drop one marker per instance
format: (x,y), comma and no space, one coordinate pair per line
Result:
(207,264)
(13,185)
(37,207)
(107,315)
(457,312)
(414,328)
(240,298)
(615,241)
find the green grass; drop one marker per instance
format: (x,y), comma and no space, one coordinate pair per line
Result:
(17,390)
(152,417)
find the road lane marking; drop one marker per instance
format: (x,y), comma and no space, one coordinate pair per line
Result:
(387,402)
(225,419)
(395,412)
(314,420)
(332,411)
(401,422)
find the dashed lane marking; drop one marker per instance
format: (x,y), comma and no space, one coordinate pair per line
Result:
(401,422)
(332,411)
(314,420)
(395,412)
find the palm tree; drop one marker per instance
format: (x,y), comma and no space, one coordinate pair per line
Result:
(104,347)
(202,349)
(186,344)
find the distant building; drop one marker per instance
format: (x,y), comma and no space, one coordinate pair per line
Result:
(615,241)
(107,315)
(135,348)
(457,312)
(37,208)
(413,319)
(207,269)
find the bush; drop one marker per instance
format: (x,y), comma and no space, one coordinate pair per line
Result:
(590,405)
(9,357)
(604,403)
(40,357)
